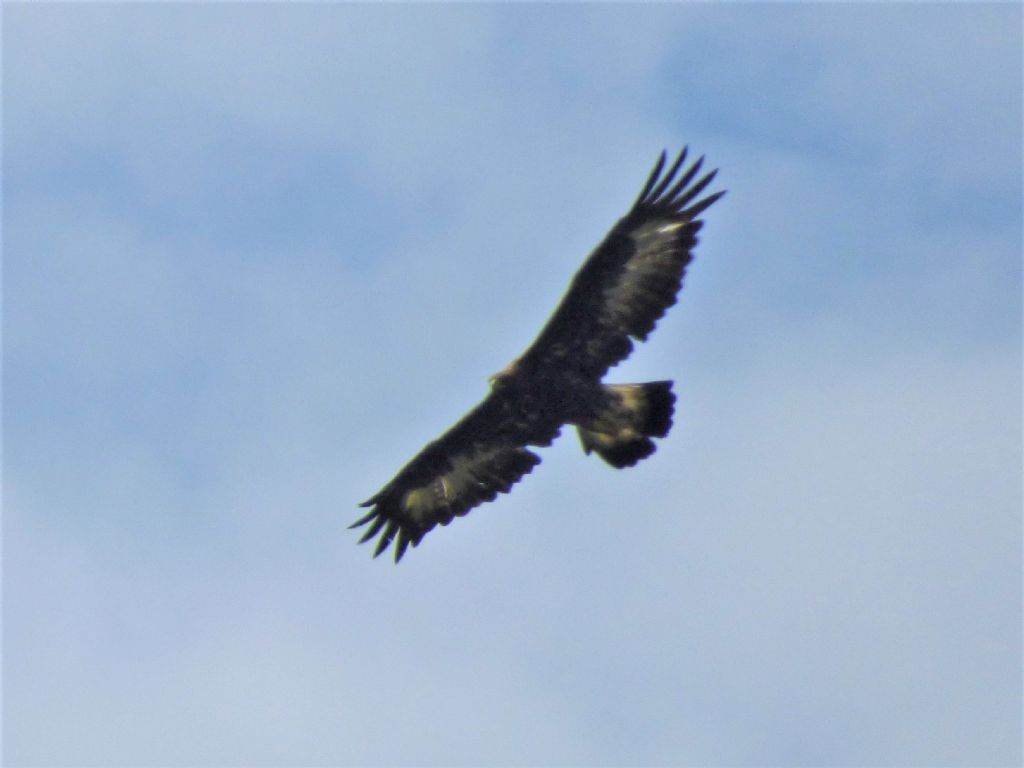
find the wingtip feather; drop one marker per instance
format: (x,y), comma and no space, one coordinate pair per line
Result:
(403,542)
(372,500)
(652,178)
(364,519)
(698,208)
(666,179)
(372,530)
(695,190)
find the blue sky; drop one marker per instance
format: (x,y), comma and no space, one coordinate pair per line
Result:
(257,255)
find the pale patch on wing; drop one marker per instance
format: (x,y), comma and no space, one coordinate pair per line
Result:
(472,479)
(421,503)
(650,279)
(649,234)
(418,502)
(668,228)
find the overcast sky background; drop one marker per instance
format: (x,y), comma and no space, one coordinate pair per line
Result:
(257,255)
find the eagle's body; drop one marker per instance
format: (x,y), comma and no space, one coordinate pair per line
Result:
(618,295)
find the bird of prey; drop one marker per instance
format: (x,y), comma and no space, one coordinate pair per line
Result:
(625,285)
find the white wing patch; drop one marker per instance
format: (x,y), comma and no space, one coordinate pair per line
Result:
(467,477)
(654,231)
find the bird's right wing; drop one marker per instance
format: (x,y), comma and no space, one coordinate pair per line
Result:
(483,455)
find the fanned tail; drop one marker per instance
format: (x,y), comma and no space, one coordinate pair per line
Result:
(621,431)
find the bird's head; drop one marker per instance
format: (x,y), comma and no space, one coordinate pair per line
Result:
(504,376)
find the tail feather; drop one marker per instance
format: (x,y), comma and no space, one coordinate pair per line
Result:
(621,431)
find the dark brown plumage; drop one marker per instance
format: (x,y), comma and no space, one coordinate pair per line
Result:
(618,295)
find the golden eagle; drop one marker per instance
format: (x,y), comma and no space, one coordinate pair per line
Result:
(619,293)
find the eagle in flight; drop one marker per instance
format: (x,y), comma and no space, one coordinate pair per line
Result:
(617,296)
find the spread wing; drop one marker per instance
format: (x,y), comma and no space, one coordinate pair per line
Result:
(619,293)
(629,280)
(483,455)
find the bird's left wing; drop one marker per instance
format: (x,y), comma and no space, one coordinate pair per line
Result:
(483,455)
